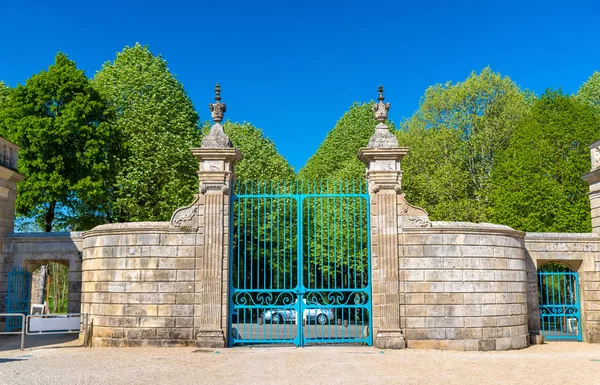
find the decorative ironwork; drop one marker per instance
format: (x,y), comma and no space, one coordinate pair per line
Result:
(559,303)
(300,263)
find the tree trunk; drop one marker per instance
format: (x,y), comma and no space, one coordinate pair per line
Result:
(49,217)
(42,286)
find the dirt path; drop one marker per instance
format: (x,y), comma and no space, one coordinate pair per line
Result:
(551,363)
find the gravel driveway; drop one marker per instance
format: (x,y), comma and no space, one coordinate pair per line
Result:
(67,363)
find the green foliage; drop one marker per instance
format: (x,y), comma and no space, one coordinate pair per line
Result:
(537,180)
(336,158)
(3,91)
(260,161)
(155,173)
(58,120)
(454,138)
(590,91)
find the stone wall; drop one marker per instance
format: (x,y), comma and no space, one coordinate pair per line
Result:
(463,286)
(30,250)
(139,284)
(579,252)
(9,178)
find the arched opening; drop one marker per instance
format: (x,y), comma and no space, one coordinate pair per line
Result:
(50,286)
(558,294)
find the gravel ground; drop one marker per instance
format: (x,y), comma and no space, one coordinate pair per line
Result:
(67,363)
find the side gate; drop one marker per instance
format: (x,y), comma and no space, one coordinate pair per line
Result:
(300,263)
(560,315)
(17,300)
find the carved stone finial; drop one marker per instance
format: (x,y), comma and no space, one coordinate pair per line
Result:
(382,138)
(216,138)
(380,110)
(217,109)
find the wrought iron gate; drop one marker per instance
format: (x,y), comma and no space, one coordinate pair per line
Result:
(559,303)
(17,300)
(300,263)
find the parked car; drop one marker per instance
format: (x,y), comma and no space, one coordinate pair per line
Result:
(320,316)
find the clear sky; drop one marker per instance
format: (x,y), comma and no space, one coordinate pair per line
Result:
(293,68)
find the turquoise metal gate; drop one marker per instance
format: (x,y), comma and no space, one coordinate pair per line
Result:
(17,300)
(559,303)
(300,263)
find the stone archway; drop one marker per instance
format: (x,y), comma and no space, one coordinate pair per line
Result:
(31,250)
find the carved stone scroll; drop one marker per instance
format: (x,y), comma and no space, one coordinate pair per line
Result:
(186,216)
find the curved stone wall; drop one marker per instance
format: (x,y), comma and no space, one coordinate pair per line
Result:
(138,284)
(463,286)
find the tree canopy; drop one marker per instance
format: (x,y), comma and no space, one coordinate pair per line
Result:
(537,180)
(58,120)
(454,138)
(260,161)
(336,158)
(590,91)
(155,172)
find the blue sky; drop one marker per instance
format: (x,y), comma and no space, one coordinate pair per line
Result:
(293,68)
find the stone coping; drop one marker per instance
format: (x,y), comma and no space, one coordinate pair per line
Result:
(135,227)
(466,227)
(46,236)
(559,237)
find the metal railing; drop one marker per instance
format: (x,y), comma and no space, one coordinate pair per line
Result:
(22,332)
(52,325)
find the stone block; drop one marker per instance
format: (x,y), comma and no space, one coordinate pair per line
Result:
(123,322)
(442,251)
(141,334)
(434,310)
(478,275)
(444,322)
(157,322)
(176,310)
(175,287)
(182,322)
(185,275)
(141,287)
(163,251)
(462,310)
(186,251)
(497,332)
(486,345)
(141,310)
(184,298)
(159,275)
(444,298)
(443,275)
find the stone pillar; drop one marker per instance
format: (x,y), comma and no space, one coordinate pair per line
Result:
(382,158)
(593,178)
(212,208)
(212,248)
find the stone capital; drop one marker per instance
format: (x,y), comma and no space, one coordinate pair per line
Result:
(383,168)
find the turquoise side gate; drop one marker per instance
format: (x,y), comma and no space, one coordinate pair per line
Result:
(18,297)
(300,263)
(559,303)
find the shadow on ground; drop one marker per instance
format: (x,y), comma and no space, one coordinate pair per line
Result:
(13,342)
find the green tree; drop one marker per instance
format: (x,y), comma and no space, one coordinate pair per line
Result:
(260,161)
(537,179)
(454,138)
(337,157)
(3,91)
(58,120)
(590,91)
(156,172)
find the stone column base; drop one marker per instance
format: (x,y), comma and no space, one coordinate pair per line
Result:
(210,339)
(390,339)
